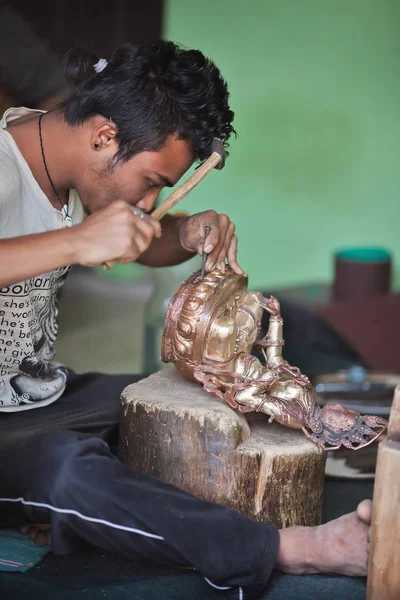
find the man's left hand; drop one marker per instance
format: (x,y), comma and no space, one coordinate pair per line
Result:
(221,243)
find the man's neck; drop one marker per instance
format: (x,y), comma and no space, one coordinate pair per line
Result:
(57,150)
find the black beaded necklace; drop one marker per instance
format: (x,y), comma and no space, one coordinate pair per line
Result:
(64,208)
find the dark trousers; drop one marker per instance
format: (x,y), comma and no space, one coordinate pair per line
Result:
(57,467)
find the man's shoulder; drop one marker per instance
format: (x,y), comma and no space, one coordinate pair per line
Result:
(10,175)
(7,154)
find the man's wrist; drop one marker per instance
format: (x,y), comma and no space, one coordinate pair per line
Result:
(70,247)
(179,222)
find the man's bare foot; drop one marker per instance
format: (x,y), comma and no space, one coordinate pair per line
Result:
(41,534)
(340,546)
(343,544)
(364,511)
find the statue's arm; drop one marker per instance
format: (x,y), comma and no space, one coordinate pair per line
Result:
(273,342)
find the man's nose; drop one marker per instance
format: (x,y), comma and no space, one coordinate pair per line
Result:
(147,203)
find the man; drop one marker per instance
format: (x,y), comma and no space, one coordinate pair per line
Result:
(131,127)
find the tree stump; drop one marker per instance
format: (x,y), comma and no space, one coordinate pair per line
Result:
(174,430)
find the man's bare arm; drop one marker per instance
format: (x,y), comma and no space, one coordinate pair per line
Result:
(166,250)
(110,233)
(24,257)
(183,237)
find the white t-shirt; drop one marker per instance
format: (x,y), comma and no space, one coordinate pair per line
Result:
(28,310)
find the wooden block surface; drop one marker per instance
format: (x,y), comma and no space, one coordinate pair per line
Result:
(384,554)
(174,430)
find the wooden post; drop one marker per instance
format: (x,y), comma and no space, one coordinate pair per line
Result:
(173,429)
(384,560)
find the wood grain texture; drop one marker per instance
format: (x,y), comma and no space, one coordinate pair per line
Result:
(384,558)
(172,429)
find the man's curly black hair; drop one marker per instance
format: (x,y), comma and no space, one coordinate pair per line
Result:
(151,91)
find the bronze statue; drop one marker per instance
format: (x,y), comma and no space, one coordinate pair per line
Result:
(212,325)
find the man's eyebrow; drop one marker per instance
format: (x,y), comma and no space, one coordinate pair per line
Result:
(166,181)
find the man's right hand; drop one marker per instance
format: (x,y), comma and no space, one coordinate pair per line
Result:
(113,233)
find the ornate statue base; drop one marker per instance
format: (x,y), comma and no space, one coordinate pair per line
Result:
(173,429)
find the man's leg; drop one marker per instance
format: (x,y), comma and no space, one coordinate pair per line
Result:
(90,406)
(72,479)
(87,494)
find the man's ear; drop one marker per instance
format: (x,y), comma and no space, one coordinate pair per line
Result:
(104,134)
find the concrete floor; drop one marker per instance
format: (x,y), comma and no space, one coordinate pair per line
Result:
(102,323)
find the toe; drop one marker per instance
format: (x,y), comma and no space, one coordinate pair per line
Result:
(364,511)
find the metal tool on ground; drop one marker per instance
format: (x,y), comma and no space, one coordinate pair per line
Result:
(215,161)
(205,255)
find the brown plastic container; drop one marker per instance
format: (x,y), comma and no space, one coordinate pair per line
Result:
(361,273)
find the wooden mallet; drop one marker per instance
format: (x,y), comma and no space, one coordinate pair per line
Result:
(215,161)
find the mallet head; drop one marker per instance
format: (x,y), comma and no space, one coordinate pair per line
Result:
(217,146)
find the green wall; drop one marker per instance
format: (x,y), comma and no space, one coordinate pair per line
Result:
(316,91)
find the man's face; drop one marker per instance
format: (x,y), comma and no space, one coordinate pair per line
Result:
(137,181)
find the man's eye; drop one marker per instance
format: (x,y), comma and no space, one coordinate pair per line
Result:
(151,184)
